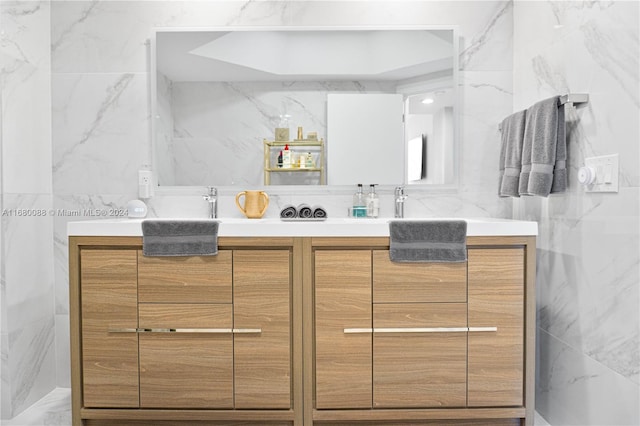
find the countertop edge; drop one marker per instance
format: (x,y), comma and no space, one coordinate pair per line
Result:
(276,228)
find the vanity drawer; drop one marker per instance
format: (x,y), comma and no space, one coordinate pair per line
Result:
(191,365)
(419,355)
(395,282)
(185,279)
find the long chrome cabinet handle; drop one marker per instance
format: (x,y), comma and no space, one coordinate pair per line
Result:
(358,330)
(420,330)
(247,330)
(189,330)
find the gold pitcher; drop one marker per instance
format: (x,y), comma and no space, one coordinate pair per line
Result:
(255,203)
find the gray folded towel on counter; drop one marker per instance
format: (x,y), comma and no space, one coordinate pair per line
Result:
(179,237)
(319,212)
(289,212)
(539,148)
(512,129)
(428,240)
(305,211)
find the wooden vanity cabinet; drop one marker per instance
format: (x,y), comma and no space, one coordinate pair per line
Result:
(212,335)
(301,331)
(409,342)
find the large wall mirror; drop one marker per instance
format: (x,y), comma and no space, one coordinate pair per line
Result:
(360,105)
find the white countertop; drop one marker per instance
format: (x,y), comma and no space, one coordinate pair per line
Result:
(332,227)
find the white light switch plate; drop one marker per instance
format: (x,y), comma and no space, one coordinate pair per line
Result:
(606,168)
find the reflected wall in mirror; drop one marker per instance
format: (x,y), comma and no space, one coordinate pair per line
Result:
(220,95)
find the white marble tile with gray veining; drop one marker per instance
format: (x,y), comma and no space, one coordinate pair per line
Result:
(99,36)
(572,389)
(100,132)
(63,350)
(31,363)
(486,99)
(25,94)
(486,49)
(54,409)
(5,380)
(588,288)
(27,228)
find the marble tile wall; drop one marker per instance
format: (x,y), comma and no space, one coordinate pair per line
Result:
(101,113)
(589,244)
(26,225)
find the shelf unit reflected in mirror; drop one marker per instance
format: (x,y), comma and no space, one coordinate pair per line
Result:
(300,150)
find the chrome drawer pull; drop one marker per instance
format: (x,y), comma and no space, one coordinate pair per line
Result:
(247,330)
(186,330)
(358,330)
(482,329)
(422,330)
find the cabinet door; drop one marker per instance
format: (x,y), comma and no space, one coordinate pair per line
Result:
(108,282)
(343,301)
(186,369)
(496,299)
(416,363)
(262,361)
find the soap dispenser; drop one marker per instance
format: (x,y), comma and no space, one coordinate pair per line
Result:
(373,202)
(359,205)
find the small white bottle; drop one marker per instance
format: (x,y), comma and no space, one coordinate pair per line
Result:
(373,202)
(286,157)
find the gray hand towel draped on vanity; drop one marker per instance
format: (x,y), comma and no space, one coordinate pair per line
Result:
(428,240)
(179,237)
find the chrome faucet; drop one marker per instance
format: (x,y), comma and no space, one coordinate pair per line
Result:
(212,199)
(399,202)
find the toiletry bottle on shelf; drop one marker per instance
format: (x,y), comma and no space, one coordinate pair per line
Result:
(286,157)
(373,202)
(280,159)
(309,161)
(359,205)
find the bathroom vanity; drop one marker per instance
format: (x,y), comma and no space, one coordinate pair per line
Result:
(301,324)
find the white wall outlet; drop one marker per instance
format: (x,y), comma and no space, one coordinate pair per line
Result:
(602,173)
(145,183)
